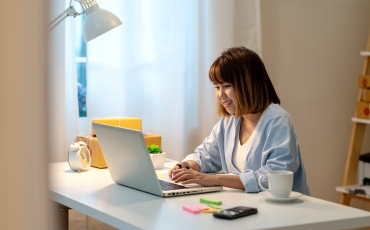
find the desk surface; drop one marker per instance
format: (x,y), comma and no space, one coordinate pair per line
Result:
(95,194)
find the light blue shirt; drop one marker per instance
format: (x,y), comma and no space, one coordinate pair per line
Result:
(274,147)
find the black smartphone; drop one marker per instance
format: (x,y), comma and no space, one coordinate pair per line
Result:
(235,212)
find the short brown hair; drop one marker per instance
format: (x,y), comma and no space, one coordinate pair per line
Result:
(245,71)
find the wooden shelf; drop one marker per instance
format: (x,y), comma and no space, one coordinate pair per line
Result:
(345,190)
(360,120)
(365,53)
(354,150)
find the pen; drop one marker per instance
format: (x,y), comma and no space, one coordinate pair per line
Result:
(180,166)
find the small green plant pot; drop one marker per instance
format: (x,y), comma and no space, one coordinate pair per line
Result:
(158,160)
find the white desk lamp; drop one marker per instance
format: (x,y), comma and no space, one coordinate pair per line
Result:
(97,21)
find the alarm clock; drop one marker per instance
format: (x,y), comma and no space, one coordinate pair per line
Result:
(79,156)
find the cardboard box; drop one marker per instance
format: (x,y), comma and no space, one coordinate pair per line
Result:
(97,156)
(365,95)
(87,140)
(151,139)
(124,122)
(362,110)
(84,138)
(364,81)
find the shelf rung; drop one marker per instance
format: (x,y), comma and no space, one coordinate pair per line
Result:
(360,120)
(365,53)
(345,189)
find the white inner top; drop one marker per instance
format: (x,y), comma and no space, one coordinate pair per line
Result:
(242,152)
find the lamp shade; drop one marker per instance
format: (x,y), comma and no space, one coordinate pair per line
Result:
(98,22)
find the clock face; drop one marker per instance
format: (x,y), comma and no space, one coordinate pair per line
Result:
(85,159)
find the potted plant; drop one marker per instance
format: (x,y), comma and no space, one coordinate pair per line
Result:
(158,157)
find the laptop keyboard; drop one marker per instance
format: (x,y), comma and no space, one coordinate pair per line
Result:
(169,186)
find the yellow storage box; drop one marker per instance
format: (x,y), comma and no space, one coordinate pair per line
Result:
(364,81)
(151,139)
(362,110)
(366,95)
(124,122)
(97,156)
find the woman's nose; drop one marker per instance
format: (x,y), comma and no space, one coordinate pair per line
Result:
(221,93)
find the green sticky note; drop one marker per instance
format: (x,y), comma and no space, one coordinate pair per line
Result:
(209,201)
(214,206)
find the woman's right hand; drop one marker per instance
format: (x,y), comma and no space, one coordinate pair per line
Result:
(179,165)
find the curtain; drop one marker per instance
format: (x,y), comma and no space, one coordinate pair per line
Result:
(155,65)
(71,118)
(63,123)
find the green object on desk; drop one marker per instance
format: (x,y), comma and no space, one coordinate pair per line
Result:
(209,201)
(214,206)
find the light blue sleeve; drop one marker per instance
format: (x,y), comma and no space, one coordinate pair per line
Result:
(275,149)
(207,155)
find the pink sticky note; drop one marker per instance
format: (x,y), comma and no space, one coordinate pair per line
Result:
(191,209)
(200,207)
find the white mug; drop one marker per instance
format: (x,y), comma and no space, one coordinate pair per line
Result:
(280,183)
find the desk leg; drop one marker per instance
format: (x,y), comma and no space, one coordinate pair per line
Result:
(59,216)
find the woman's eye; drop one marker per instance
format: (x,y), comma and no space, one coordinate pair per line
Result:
(227,86)
(217,87)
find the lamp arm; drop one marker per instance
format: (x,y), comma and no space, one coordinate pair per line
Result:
(70,11)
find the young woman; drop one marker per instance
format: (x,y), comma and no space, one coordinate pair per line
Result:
(254,136)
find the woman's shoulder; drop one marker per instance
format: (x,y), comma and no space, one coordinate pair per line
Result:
(276,113)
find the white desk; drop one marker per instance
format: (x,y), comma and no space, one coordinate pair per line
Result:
(95,194)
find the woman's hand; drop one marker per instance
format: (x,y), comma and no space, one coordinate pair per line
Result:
(179,165)
(188,176)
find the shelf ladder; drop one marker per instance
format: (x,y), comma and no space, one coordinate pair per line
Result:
(357,136)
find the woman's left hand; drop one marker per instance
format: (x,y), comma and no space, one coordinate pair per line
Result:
(188,176)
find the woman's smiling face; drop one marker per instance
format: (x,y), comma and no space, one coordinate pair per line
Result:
(226,96)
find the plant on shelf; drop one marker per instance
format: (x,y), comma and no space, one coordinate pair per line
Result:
(154,149)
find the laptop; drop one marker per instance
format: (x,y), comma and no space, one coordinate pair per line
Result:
(129,163)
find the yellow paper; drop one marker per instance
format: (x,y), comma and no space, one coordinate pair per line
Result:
(209,210)
(160,175)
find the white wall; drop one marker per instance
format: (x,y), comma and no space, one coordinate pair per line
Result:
(23,150)
(311,49)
